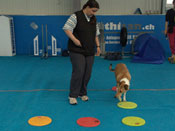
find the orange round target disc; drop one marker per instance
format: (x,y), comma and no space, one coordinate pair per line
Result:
(88,122)
(40,121)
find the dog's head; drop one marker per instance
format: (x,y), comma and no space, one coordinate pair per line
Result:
(123,87)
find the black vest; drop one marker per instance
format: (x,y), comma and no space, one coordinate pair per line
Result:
(85,32)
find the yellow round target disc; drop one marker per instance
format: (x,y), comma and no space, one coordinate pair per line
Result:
(127,105)
(133,121)
(39,121)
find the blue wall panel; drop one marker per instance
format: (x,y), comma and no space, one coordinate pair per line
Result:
(153,24)
(24,33)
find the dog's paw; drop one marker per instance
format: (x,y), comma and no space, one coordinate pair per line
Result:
(124,98)
(119,98)
(116,95)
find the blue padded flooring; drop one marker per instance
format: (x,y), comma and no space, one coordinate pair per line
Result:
(30,86)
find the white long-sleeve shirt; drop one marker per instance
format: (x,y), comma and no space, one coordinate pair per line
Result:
(72,22)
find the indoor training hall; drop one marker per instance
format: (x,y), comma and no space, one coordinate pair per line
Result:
(87,65)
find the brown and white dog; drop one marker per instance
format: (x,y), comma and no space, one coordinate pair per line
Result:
(123,79)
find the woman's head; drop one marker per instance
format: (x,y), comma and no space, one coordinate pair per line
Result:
(91,7)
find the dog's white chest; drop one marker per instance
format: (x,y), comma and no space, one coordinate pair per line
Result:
(126,81)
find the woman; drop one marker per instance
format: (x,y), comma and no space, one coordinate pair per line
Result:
(170,29)
(82,30)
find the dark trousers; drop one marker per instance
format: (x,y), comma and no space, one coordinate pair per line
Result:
(81,73)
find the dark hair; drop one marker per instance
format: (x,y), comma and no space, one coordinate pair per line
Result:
(91,4)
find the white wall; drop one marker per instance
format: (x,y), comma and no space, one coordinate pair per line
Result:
(127,7)
(66,7)
(36,7)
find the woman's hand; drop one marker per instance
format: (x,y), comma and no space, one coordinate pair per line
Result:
(98,51)
(77,43)
(73,38)
(165,32)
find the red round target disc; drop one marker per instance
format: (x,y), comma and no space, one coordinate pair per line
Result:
(88,122)
(114,88)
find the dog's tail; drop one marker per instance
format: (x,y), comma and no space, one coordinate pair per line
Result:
(110,68)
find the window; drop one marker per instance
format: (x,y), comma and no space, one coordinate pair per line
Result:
(169,4)
(169,1)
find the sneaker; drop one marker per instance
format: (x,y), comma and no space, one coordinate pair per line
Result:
(73,101)
(169,58)
(84,98)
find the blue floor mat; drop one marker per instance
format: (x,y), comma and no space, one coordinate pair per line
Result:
(34,87)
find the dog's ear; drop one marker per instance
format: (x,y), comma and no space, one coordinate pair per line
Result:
(126,87)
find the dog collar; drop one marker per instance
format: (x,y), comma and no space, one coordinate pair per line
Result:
(126,81)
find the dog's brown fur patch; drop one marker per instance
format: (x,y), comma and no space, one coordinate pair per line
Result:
(121,71)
